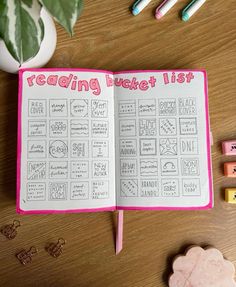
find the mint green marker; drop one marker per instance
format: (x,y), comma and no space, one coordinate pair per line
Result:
(139,6)
(191,9)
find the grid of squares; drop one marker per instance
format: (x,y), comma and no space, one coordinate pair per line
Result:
(67,149)
(158,147)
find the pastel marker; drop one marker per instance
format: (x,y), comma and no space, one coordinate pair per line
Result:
(230,195)
(192,9)
(139,6)
(230,169)
(229,147)
(164,8)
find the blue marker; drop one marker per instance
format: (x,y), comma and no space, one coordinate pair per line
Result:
(139,6)
(191,9)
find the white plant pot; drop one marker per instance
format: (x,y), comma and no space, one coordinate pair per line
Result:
(47,48)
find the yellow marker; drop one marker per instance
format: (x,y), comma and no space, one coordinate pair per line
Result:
(230,195)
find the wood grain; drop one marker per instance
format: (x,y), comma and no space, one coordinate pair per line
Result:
(107,36)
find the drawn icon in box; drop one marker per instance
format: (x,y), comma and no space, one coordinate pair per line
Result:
(148,167)
(58,169)
(168,146)
(100,129)
(79,190)
(37,108)
(99,109)
(147,127)
(147,107)
(100,168)
(36,191)
(36,149)
(58,149)
(100,189)
(148,147)
(129,188)
(188,126)
(57,190)
(100,148)
(167,107)
(169,166)
(128,167)
(79,128)
(191,187)
(128,147)
(36,170)
(170,187)
(190,166)
(58,128)
(127,128)
(79,108)
(149,188)
(127,108)
(79,148)
(37,128)
(168,127)
(58,108)
(188,146)
(79,169)
(187,106)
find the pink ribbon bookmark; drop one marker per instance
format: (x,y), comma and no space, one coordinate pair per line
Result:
(119,232)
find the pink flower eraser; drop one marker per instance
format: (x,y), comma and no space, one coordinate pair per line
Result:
(202,267)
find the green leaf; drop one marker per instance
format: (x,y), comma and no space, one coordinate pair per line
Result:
(80,7)
(28,2)
(21,28)
(65,12)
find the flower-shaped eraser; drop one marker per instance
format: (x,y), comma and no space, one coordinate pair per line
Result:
(202,268)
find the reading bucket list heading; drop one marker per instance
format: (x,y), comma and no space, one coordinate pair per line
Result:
(93,85)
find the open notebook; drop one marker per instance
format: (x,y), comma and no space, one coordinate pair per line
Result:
(93,140)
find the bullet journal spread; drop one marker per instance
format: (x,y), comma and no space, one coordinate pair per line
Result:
(94,140)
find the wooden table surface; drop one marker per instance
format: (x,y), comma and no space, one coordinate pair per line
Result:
(107,36)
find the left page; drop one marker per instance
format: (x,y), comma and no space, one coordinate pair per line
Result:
(65,160)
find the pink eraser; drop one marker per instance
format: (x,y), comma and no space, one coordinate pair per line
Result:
(229,147)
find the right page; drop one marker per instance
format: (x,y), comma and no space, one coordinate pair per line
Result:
(163,158)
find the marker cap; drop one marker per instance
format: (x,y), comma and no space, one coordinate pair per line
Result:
(185,17)
(135,11)
(158,15)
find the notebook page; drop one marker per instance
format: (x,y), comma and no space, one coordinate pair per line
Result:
(162,140)
(66,141)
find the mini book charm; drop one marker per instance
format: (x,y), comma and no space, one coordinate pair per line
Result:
(25,256)
(9,230)
(230,195)
(55,249)
(229,147)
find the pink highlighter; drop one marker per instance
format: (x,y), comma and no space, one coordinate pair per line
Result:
(164,8)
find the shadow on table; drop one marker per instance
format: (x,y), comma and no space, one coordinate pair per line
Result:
(8,139)
(113,218)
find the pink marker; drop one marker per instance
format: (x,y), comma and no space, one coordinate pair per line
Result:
(229,147)
(164,8)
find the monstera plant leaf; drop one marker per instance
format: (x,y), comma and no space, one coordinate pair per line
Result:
(21,28)
(65,12)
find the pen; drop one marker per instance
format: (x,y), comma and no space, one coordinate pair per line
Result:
(164,8)
(191,9)
(139,6)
